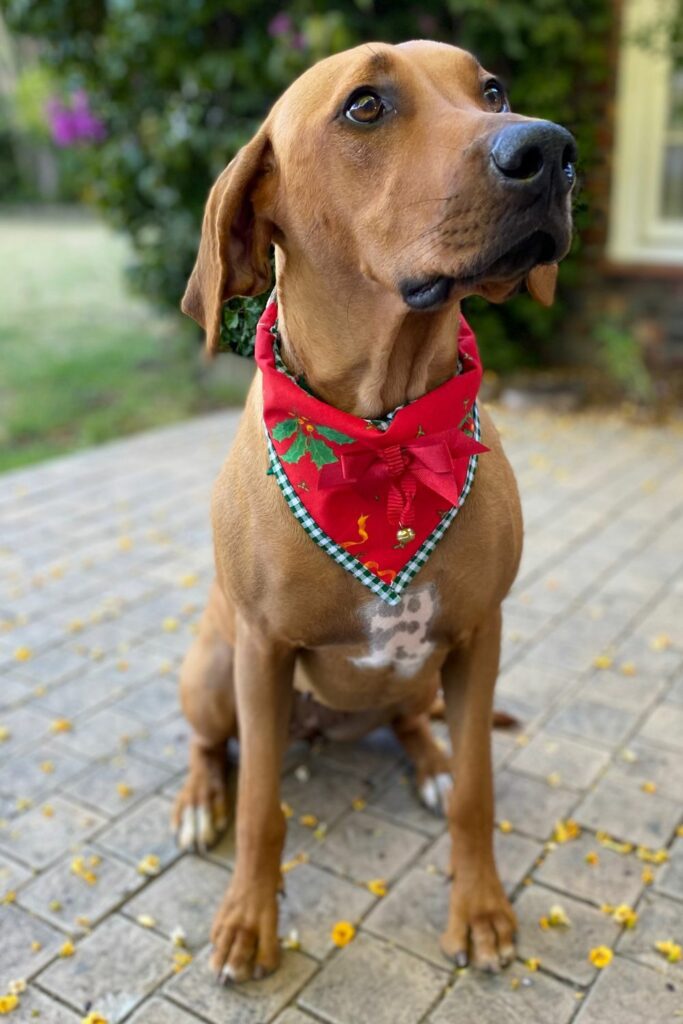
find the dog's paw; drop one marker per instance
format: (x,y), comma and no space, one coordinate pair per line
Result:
(244,937)
(200,814)
(481,926)
(434,791)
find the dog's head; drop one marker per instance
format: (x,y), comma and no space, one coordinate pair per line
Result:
(399,164)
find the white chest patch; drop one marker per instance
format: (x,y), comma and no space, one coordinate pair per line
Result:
(398,635)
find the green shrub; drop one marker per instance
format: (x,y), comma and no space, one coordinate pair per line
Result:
(181,86)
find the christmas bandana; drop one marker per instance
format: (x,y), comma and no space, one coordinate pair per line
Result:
(376,495)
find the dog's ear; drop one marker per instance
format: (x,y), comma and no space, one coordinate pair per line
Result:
(234,250)
(541,281)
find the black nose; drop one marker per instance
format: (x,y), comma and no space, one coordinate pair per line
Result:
(535,153)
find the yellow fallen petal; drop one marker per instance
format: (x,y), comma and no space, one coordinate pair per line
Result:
(557,917)
(532,964)
(359,804)
(125,544)
(23,654)
(124,790)
(287,810)
(649,787)
(505,826)
(554,779)
(660,642)
(61,725)
(625,915)
(4,733)
(8,1003)
(603,661)
(669,949)
(47,767)
(592,858)
(146,920)
(170,625)
(181,959)
(601,957)
(308,820)
(567,830)
(652,856)
(94,1018)
(67,948)
(342,933)
(378,887)
(149,865)
(190,579)
(47,810)
(647,876)
(292,940)
(9,897)
(17,986)
(613,844)
(36,946)
(627,668)
(289,865)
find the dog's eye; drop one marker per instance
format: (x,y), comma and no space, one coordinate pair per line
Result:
(494,95)
(366,107)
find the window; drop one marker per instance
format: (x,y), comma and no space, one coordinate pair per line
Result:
(646,216)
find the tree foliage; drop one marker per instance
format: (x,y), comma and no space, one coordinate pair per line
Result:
(180,86)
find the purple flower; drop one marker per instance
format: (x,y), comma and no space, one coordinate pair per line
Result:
(280,25)
(74,123)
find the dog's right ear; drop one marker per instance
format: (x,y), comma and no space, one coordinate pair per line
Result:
(234,250)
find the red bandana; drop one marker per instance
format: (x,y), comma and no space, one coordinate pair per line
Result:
(377,496)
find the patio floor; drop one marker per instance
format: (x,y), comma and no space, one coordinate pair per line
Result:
(105,560)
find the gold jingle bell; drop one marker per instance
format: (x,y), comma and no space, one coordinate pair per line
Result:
(404,535)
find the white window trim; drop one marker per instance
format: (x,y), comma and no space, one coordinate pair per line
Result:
(637,233)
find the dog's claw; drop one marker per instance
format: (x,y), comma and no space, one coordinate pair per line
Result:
(461,960)
(434,792)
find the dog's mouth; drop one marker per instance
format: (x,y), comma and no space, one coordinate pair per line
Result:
(430,293)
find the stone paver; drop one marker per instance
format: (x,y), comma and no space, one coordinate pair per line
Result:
(491,1000)
(630,994)
(111,971)
(250,1003)
(563,951)
(370,980)
(103,572)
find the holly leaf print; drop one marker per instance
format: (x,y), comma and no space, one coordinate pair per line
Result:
(334,435)
(296,450)
(284,429)
(321,453)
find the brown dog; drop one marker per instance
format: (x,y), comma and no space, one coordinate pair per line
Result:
(393,181)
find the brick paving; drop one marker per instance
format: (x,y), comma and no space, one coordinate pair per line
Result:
(105,559)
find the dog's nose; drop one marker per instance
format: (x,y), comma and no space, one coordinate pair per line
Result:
(535,153)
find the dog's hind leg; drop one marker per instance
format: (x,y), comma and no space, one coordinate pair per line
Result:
(432,766)
(207,697)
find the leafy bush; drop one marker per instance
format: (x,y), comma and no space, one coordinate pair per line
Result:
(181,86)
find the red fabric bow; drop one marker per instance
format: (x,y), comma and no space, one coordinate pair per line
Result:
(429,462)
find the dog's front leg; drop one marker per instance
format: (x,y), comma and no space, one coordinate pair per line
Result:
(244,932)
(480,916)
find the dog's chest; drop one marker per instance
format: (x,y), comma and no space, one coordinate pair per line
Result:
(399,636)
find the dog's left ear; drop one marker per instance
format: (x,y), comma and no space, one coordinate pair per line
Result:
(541,283)
(234,250)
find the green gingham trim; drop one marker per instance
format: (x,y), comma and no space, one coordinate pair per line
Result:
(389,592)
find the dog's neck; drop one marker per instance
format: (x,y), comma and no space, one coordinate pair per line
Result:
(365,354)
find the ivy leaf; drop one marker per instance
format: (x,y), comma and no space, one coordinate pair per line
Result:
(284,429)
(296,450)
(321,453)
(334,435)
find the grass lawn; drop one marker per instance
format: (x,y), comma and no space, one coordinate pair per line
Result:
(81,360)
